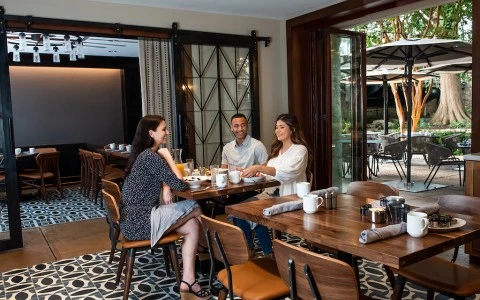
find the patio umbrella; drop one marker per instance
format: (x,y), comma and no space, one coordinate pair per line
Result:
(453,67)
(418,52)
(384,76)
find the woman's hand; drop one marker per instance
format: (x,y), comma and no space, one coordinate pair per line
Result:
(165,153)
(167,194)
(250,171)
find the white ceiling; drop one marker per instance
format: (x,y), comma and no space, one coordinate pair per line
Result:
(270,9)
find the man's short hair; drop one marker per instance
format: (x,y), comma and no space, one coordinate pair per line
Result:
(239,115)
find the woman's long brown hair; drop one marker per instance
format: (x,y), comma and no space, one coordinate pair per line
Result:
(142,139)
(297,137)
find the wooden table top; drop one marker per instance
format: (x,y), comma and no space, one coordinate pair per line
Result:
(206,191)
(340,229)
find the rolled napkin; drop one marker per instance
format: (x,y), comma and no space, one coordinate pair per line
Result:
(429,209)
(375,234)
(283,207)
(322,192)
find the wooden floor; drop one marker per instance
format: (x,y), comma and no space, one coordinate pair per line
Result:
(55,242)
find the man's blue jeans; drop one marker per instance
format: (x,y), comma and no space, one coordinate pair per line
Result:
(260,231)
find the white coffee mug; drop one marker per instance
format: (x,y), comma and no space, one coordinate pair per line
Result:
(303,188)
(417,224)
(112,146)
(311,203)
(234,176)
(221,180)
(31,150)
(128,148)
(121,147)
(18,151)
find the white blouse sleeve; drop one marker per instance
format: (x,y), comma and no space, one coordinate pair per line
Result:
(291,165)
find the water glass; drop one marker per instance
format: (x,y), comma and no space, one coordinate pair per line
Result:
(213,174)
(190,166)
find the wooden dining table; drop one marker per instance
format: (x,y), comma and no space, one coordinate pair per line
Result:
(206,191)
(340,229)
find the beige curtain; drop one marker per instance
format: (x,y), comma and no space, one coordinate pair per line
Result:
(156,79)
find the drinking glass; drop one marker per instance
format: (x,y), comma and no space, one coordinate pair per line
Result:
(213,174)
(190,166)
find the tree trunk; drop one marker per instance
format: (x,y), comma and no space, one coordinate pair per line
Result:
(399,107)
(450,108)
(418,102)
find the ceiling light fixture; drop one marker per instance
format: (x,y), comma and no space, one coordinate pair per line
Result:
(79,48)
(68,43)
(56,55)
(36,55)
(73,55)
(22,38)
(46,42)
(16,53)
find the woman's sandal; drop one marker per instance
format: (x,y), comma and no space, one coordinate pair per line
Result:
(191,295)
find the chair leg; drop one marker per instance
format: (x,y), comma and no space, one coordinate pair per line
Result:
(433,176)
(390,275)
(174,257)
(166,258)
(121,262)
(114,241)
(129,272)
(430,294)
(398,171)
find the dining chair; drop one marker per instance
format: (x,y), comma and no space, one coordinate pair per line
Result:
(103,171)
(451,142)
(84,171)
(394,152)
(242,276)
(130,248)
(441,156)
(114,228)
(48,170)
(418,145)
(438,274)
(314,276)
(371,189)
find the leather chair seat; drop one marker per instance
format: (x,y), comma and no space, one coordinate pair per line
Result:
(256,279)
(168,238)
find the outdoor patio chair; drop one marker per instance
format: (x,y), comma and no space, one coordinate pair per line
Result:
(394,152)
(441,156)
(243,276)
(451,142)
(418,145)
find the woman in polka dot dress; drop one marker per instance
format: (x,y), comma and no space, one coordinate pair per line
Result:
(151,172)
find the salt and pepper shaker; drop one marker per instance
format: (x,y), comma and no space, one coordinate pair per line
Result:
(328,201)
(333,196)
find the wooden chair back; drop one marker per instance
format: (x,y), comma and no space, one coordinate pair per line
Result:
(45,150)
(371,189)
(112,206)
(459,203)
(330,278)
(99,163)
(113,189)
(48,162)
(230,238)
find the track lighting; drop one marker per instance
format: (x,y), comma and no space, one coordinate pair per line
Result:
(46,42)
(36,55)
(16,53)
(56,55)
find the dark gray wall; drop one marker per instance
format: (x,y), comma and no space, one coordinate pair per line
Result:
(66,105)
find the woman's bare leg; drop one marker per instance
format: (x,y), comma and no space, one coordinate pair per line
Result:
(194,214)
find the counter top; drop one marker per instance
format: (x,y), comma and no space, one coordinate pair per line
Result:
(473,156)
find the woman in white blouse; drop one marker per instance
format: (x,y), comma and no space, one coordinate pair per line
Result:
(290,156)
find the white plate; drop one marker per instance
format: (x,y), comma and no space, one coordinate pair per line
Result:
(254,179)
(460,223)
(194,182)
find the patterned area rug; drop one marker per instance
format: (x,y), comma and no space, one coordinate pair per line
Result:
(91,277)
(37,212)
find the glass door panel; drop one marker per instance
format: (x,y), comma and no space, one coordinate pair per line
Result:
(345,97)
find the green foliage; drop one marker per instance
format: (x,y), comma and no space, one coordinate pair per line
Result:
(461,124)
(423,124)
(454,22)
(347,127)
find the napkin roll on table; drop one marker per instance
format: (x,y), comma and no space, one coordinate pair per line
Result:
(283,207)
(375,234)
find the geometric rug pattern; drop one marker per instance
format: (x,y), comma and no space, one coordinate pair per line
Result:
(91,277)
(37,212)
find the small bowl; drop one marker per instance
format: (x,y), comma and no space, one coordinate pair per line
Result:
(194,182)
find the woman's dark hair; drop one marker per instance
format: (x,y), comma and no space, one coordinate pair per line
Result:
(297,137)
(142,139)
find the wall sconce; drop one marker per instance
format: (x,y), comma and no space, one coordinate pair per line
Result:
(22,41)
(68,43)
(46,42)
(16,53)
(36,55)
(56,55)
